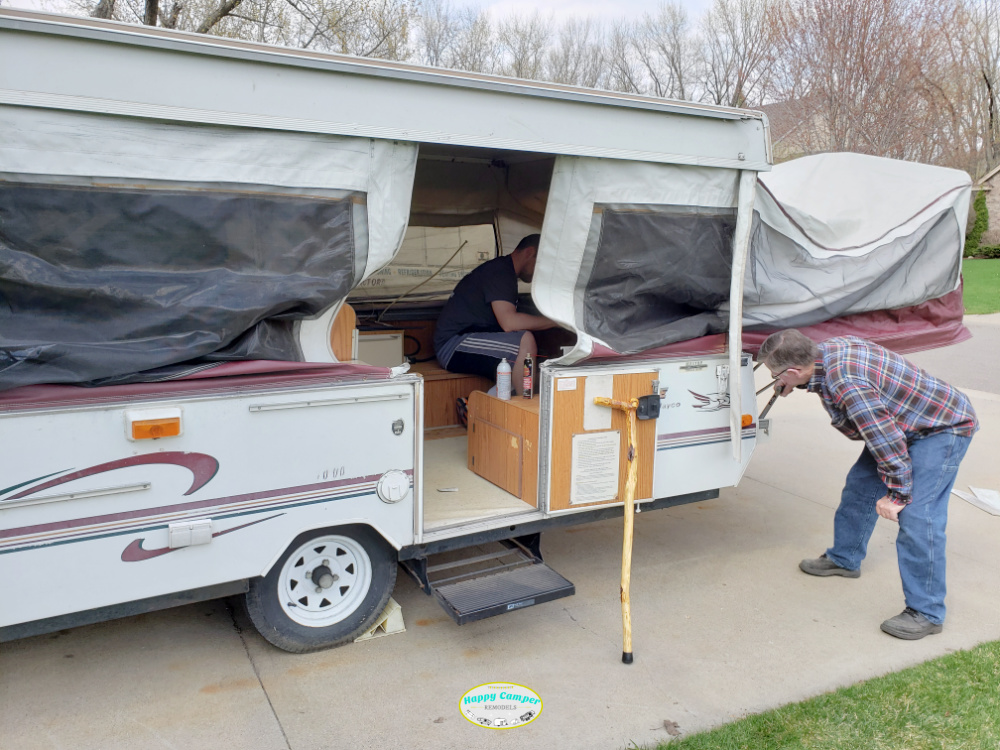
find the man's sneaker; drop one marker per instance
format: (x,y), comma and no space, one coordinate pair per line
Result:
(910,625)
(824,566)
(462,411)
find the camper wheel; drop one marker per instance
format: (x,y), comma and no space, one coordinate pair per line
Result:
(328,587)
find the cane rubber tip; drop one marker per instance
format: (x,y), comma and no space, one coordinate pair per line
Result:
(626,657)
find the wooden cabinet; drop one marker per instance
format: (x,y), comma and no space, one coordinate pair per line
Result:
(503,443)
(441,388)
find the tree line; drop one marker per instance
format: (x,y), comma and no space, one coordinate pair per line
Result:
(907,79)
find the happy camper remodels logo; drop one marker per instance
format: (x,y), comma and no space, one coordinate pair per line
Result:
(500,705)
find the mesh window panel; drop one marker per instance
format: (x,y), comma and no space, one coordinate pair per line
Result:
(660,274)
(97,284)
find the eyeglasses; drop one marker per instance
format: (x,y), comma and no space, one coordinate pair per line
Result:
(773,382)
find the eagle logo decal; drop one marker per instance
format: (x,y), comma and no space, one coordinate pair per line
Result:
(710,401)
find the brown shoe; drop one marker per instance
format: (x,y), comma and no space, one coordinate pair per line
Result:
(824,566)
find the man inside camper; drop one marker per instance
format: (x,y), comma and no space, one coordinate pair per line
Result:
(915,430)
(480,324)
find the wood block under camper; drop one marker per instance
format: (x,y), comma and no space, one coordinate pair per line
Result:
(503,443)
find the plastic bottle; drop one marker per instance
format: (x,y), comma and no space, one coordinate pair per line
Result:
(503,381)
(529,368)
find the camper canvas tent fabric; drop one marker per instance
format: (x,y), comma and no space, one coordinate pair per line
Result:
(137,250)
(636,258)
(841,244)
(849,243)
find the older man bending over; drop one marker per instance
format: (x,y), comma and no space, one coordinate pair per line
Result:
(915,429)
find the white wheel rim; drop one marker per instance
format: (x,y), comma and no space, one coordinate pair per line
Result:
(298,594)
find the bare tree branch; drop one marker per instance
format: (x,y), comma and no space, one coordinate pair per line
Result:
(665,46)
(224,9)
(170,19)
(104,9)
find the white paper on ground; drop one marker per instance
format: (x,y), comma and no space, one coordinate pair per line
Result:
(988,500)
(988,497)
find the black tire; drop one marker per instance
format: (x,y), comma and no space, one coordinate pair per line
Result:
(351,609)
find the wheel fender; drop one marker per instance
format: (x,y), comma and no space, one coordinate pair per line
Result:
(287,541)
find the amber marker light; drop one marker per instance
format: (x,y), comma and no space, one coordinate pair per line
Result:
(747,420)
(150,429)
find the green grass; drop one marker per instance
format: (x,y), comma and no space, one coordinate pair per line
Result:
(982,285)
(947,703)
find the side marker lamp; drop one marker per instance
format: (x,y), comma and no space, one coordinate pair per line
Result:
(153,424)
(150,429)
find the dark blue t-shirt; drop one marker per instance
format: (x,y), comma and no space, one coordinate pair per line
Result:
(469,310)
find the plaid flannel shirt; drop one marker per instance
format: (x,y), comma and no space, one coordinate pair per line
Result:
(874,395)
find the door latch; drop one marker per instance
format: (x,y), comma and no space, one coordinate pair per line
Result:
(722,375)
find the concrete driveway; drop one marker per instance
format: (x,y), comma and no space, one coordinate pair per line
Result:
(724,625)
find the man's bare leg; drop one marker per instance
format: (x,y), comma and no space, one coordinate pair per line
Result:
(528,346)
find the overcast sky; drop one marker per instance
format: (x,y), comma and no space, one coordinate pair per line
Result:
(557,8)
(566,8)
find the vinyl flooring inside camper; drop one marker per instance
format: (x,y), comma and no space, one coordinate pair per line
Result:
(455,495)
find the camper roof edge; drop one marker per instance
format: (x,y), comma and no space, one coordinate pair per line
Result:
(25,20)
(98,29)
(216,117)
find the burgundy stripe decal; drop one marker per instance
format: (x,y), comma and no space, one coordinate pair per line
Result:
(202,466)
(676,435)
(135,552)
(77,522)
(30,481)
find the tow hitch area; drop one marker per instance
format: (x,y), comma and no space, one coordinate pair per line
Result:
(489,579)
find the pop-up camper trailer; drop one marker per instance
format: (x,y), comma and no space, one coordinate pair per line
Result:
(221,274)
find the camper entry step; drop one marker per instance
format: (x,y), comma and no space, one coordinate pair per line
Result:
(491,579)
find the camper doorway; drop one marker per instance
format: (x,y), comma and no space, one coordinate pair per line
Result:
(470,205)
(397,309)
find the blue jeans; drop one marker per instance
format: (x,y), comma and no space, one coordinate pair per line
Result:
(920,543)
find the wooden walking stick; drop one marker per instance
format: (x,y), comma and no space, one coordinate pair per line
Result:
(629,407)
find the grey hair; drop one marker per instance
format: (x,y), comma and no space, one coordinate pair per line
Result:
(789,348)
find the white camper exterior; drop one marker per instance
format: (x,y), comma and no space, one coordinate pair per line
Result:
(303,487)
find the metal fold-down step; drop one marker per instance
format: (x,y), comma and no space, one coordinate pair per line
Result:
(475,599)
(488,580)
